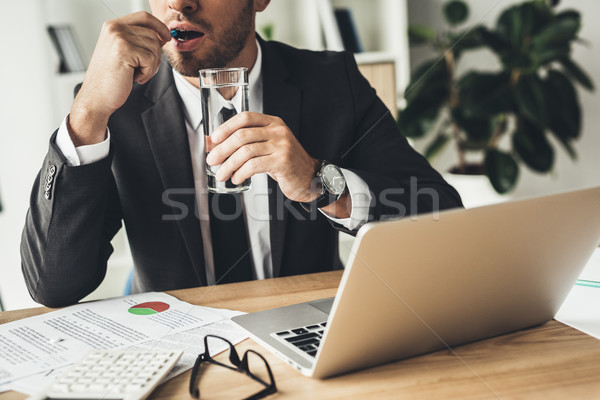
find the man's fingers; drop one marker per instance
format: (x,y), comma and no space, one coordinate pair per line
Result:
(144,62)
(245,154)
(233,142)
(143,37)
(147,65)
(141,49)
(252,167)
(245,119)
(142,18)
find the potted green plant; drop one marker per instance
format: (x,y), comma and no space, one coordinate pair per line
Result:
(531,96)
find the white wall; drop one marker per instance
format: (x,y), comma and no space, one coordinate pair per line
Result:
(566,174)
(26,125)
(294,22)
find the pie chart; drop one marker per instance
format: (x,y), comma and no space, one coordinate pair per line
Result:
(149,308)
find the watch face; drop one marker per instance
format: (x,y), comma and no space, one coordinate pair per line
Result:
(333,180)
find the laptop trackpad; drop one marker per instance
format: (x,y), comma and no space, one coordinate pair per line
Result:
(323,305)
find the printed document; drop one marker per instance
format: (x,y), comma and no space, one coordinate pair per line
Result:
(34,347)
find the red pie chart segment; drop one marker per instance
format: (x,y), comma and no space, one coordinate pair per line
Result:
(149,308)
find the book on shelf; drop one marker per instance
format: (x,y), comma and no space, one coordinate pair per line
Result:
(348,31)
(65,43)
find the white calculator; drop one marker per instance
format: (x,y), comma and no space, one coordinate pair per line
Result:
(112,374)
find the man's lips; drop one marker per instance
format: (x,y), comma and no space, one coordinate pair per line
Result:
(186,36)
(188,44)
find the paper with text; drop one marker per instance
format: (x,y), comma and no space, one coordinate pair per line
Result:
(39,344)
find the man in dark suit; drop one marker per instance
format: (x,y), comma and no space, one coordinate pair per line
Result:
(132,150)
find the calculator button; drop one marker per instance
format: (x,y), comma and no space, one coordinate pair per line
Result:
(133,388)
(60,387)
(78,387)
(146,374)
(98,387)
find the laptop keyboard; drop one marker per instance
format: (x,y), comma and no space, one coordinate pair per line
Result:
(306,338)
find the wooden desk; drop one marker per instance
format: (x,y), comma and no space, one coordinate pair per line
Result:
(552,361)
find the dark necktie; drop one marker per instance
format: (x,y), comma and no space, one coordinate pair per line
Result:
(228,231)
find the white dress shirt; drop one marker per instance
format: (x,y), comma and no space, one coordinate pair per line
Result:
(255,200)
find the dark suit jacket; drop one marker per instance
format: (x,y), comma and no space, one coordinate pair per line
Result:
(147,181)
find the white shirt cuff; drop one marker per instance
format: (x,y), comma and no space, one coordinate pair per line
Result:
(361,201)
(81,155)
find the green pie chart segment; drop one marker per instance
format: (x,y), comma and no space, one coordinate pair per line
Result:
(149,308)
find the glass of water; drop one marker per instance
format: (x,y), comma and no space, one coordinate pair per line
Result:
(224,94)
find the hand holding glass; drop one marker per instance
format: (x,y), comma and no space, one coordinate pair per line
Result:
(224,93)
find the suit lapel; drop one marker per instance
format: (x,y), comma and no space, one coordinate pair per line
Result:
(282,99)
(165,126)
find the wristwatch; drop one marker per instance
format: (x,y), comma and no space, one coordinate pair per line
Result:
(332,184)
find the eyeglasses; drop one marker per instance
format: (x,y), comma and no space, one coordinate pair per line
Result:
(236,365)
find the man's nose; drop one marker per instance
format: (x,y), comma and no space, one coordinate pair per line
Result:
(183,6)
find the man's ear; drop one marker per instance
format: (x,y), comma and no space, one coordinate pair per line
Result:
(260,5)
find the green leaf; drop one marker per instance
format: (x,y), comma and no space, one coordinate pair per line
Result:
(554,3)
(419,34)
(577,73)
(561,30)
(553,42)
(478,130)
(544,55)
(516,26)
(568,147)
(494,41)
(419,116)
(563,106)
(417,119)
(425,95)
(436,146)
(517,23)
(505,24)
(484,95)
(521,60)
(530,142)
(501,169)
(456,12)
(267,31)
(467,40)
(429,79)
(569,21)
(564,110)
(531,100)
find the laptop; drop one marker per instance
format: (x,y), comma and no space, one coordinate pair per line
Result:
(432,282)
